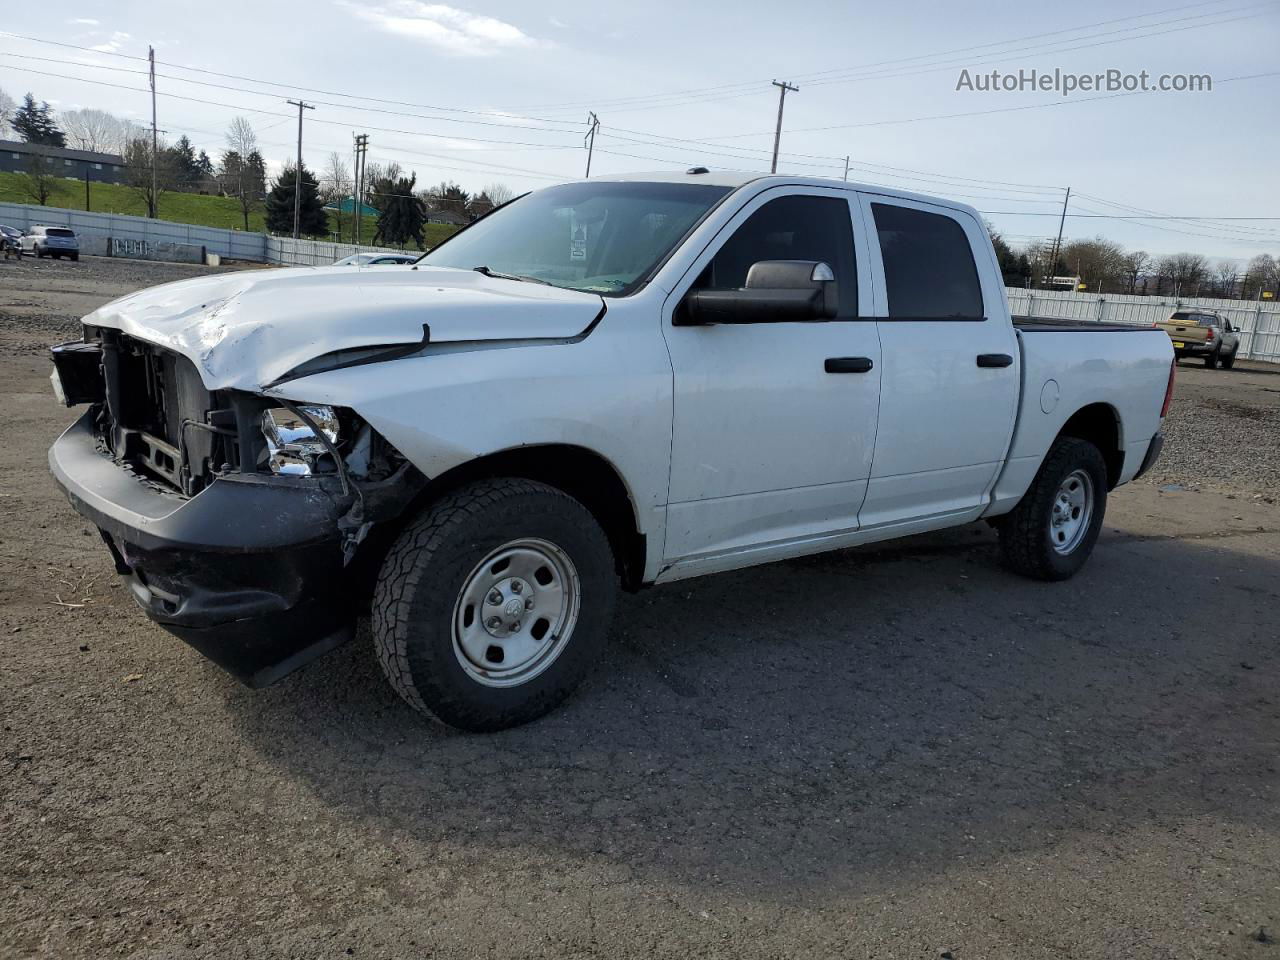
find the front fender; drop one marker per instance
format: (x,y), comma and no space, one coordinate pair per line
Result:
(609,393)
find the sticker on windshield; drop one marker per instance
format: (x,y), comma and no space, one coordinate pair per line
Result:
(578,243)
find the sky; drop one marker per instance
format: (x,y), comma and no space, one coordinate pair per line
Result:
(499,91)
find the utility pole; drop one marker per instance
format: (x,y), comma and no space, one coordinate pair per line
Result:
(86,188)
(846,169)
(297,180)
(589,141)
(1057,244)
(155,135)
(783,87)
(362,149)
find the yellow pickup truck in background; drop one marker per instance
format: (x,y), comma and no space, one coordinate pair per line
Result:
(1203,333)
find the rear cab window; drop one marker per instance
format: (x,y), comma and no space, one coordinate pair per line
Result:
(929,270)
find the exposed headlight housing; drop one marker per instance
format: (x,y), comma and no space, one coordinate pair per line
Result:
(294,447)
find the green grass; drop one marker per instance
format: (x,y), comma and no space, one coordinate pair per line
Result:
(197,209)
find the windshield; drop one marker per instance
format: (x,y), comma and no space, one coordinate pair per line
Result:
(601,237)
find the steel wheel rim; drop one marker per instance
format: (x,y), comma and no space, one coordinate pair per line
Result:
(516,612)
(1071,512)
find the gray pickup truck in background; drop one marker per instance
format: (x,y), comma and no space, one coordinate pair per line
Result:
(1204,334)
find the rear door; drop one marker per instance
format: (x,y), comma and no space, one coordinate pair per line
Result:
(950,386)
(768,447)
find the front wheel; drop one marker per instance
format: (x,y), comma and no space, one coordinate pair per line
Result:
(493,604)
(1051,533)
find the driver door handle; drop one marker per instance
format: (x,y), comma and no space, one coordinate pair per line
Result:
(847,364)
(995,360)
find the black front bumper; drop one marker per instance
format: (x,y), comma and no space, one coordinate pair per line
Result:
(249,571)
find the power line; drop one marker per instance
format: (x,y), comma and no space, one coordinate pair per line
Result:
(1056,47)
(979,113)
(754,84)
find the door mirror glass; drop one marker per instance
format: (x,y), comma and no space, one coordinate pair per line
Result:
(776,291)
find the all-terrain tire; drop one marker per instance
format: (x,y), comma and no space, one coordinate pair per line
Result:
(1228,362)
(421,583)
(1211,361)
(1026,538)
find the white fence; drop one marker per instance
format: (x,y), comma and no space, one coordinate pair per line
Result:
(230,244)
(1258,320)
(315,253)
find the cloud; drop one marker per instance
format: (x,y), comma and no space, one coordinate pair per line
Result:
(85,21)
(447,28)
(114,44)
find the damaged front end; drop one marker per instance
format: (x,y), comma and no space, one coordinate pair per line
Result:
(237,519)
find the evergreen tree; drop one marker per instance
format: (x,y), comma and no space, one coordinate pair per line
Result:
(312,219)
(204,165)
(35,124)
(401,215)
(184,162)
(256,174)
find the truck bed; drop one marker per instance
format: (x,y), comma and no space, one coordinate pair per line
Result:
(1055,325)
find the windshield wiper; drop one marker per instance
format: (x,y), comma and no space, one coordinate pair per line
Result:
(510,276)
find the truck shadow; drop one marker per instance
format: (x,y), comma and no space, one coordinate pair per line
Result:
(835,724)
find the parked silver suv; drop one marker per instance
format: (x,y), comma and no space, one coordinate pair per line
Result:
(52,242)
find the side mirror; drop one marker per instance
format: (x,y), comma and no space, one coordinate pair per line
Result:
(777,291)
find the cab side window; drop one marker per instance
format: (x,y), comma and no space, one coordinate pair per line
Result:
(929,271)
(791,228)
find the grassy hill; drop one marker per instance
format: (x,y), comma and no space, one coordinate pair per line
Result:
(193,208)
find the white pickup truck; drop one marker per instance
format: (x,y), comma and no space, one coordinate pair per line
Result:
(625,380)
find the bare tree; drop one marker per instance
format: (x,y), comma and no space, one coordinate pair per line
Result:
(1136,265)
(38,177)
(1099,262)
(336,186)
(1263,270)
(138,174)
(94,130)
(239,176)
(7,107)
(1185,272)
(498,193)
(1226,277)
(241,138)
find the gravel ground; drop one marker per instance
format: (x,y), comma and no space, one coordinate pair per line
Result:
(897,752)
(1223,429)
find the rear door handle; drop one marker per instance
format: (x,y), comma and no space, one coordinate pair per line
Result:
(847,364)
(995,360)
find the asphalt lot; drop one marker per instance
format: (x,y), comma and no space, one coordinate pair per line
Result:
(895,752)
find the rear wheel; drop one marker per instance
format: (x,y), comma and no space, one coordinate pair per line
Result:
(1211,361)
(1051,533)
(1228,362)
(75,258)
(492,605)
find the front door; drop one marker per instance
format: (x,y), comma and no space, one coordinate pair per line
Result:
(768,447)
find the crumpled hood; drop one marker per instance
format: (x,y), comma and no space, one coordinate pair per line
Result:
(244,330)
